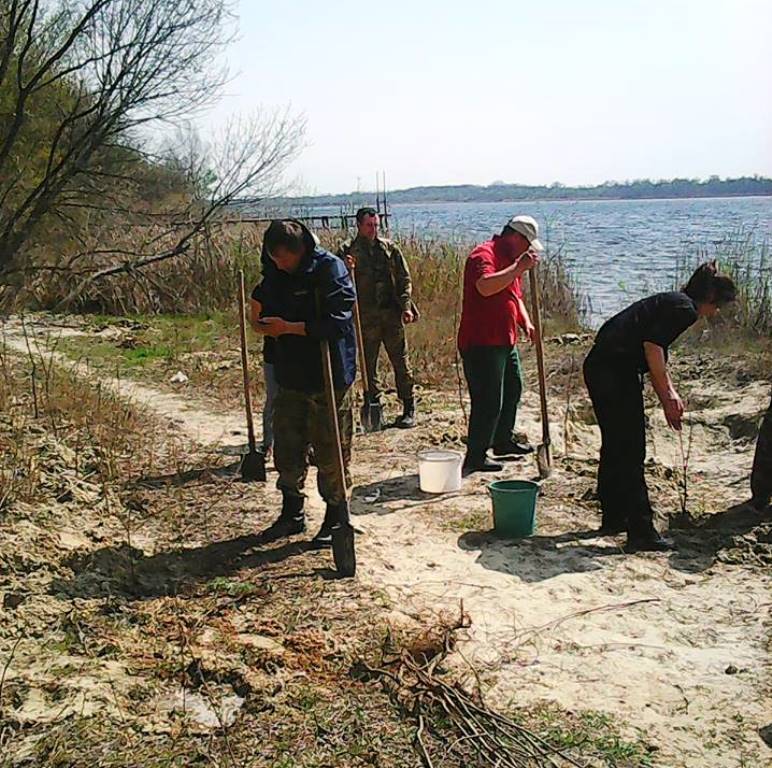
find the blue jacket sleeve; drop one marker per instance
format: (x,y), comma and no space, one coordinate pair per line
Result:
(336,301)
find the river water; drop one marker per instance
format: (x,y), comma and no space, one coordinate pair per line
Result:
(618,250)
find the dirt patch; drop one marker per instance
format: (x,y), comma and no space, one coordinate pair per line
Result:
(562,618)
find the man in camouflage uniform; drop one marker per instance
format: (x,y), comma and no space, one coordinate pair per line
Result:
(761,478)
(306,299)
(384,290)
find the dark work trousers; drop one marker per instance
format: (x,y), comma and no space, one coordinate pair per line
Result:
(616,391)
(495,381)
(761,479)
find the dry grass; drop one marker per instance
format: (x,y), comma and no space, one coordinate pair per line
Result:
(200,280)
(744,255)
(194,299)
(130,572)
(437,270)
(134,575)
(45,407)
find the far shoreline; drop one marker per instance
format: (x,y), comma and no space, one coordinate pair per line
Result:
(571,200)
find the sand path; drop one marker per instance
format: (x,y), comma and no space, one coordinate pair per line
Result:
(679,652)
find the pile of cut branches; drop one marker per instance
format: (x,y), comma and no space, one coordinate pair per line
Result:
(454,726)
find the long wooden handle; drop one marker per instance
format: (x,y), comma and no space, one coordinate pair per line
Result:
(360,340)
(329,391)
(245,362)
(533,279)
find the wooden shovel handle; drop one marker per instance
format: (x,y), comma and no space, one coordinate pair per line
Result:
(533,279)
(360,338)
(329,391)
(245,363)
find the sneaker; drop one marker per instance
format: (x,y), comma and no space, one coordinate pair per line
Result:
(486,465)
(512,448)
(509,456)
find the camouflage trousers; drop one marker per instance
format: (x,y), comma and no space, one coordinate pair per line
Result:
(385,328)
(301,419)
(761,478)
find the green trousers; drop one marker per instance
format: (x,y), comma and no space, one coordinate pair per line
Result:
(301,419)
(495,380)
(384,327)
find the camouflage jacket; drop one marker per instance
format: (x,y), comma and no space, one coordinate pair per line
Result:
(382,276)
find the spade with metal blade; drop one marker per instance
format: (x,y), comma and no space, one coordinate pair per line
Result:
(543,458)
(343,550)
(253,464)
(372,412)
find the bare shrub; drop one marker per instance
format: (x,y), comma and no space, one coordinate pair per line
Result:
(85,192)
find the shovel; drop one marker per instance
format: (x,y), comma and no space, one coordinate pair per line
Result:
(253,464)
(543,458)
(343,551)
(372,413)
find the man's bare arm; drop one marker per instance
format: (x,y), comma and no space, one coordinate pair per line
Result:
(488,285)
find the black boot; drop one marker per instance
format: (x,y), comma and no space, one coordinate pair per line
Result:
(647,540)
(611,527)
(291,520)
(323,538)
(343,547)
(407,419)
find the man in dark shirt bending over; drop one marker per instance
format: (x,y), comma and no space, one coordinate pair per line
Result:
(629,345)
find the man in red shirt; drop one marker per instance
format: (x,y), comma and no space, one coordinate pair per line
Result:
(492,311)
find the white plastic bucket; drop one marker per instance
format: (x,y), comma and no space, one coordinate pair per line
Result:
(439,471)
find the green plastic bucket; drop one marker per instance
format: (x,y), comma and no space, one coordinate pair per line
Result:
(514,507)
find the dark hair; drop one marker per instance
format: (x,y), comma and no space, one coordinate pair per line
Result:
(507,230)
(363,213)
(708,286)
(283,233)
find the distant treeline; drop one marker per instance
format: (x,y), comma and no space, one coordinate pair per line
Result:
(641,189)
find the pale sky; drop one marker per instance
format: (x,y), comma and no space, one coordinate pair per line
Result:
(577,91)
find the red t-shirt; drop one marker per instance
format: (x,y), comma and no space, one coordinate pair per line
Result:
(488,321)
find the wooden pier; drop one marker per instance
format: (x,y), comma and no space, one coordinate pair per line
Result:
(343,221)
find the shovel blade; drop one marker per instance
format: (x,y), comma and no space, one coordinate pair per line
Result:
(372,417)
(253,467)
(544,461)
(343,550)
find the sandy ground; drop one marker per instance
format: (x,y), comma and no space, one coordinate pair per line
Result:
(675,645)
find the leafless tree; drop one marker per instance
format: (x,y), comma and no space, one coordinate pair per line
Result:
(83,84)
